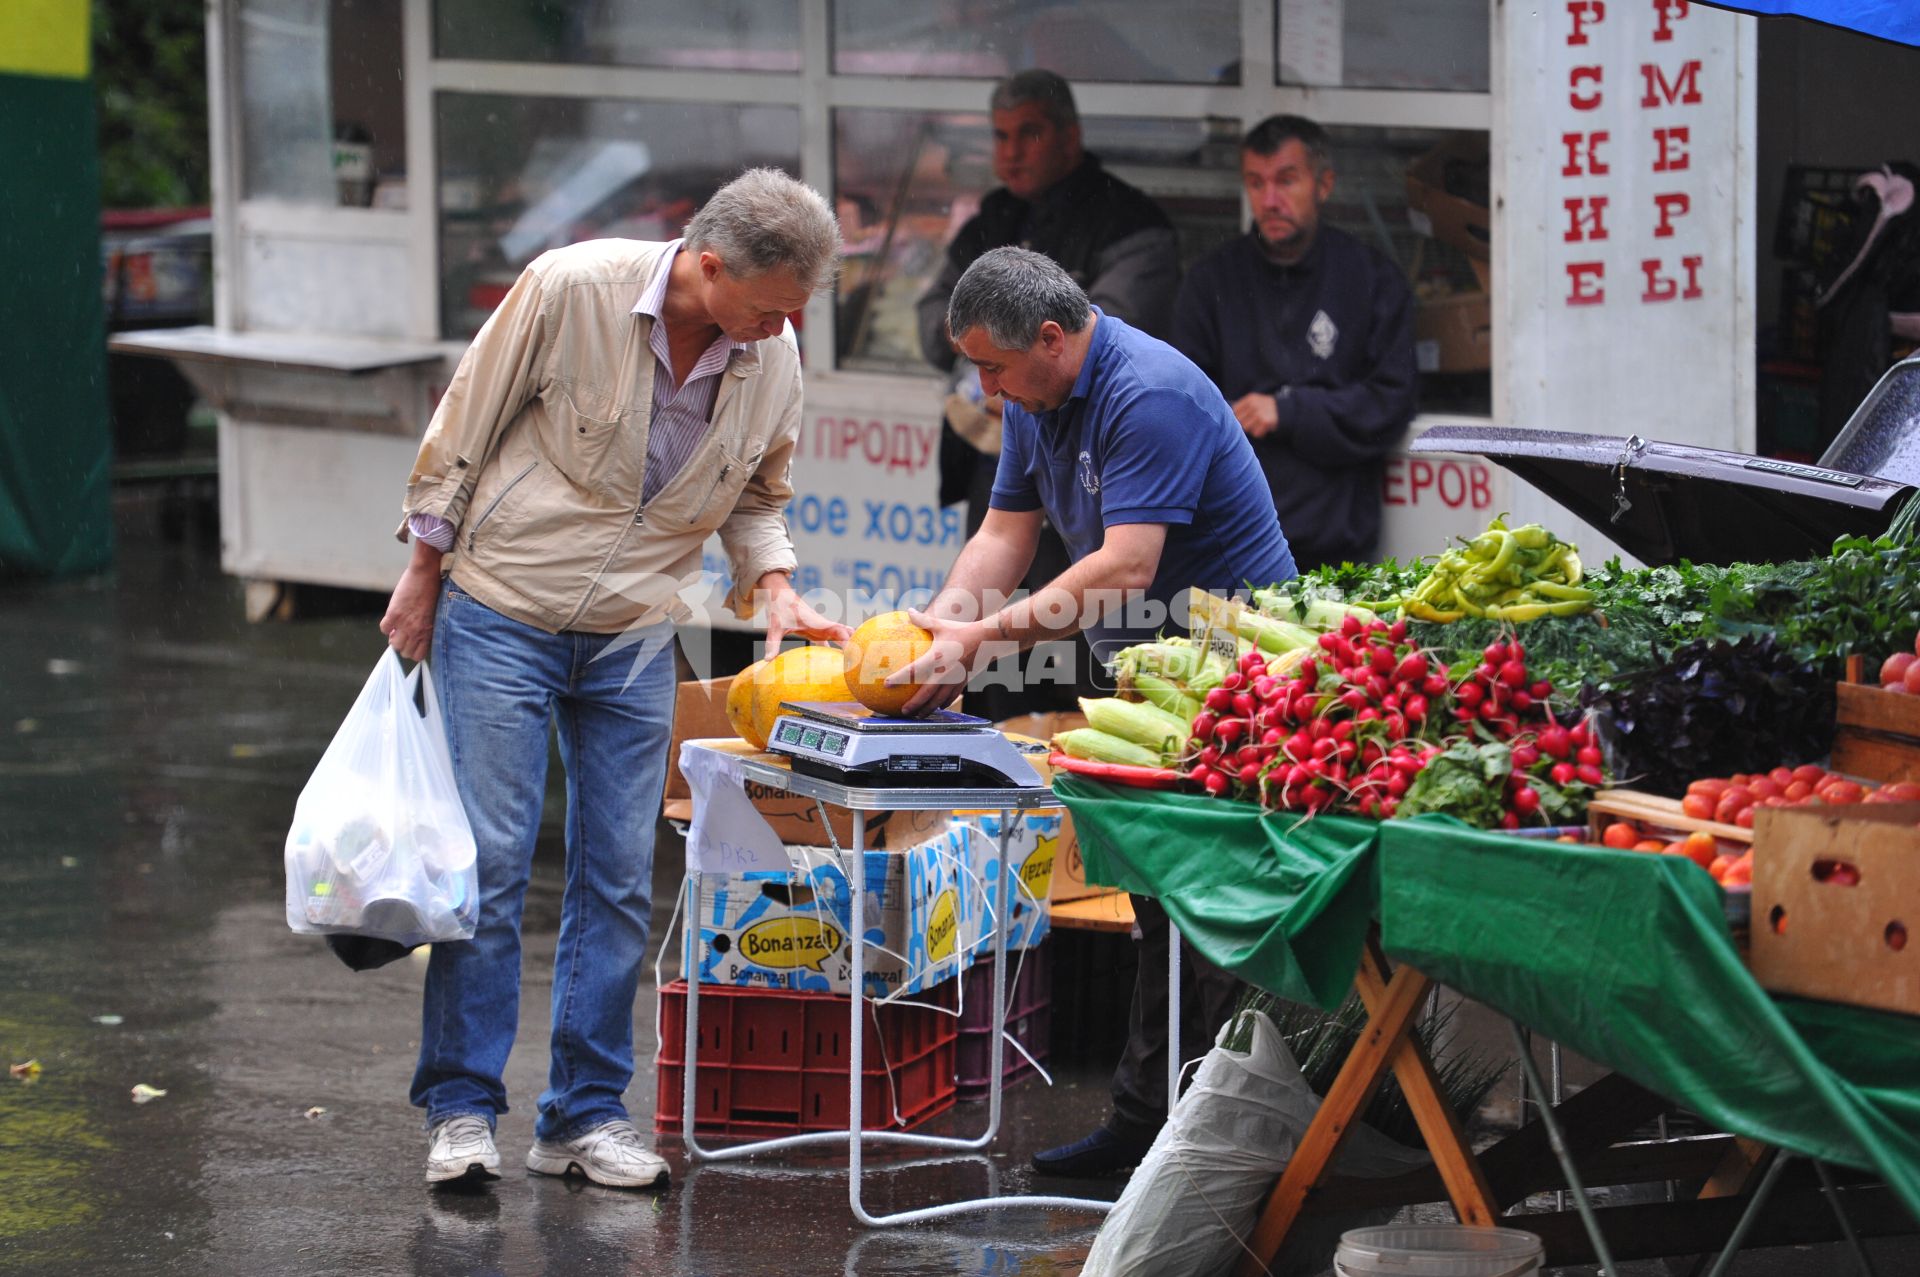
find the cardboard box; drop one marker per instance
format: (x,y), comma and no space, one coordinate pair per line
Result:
(1454,334)
(1069,873)
(790,930)
(1435,210)
(1836,903)
(1033,850)
(700,712)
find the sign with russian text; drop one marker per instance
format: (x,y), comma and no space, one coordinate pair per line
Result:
(1627,244)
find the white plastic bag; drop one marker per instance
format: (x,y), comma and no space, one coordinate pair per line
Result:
(380,845)
(1202,1184)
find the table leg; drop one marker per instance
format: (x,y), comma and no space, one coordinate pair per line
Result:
(1359,1076)
(1473,1200)
(1174,1045)
(853,1138)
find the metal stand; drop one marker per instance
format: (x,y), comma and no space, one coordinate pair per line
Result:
(860,801)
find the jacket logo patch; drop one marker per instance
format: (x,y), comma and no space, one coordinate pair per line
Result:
(1321,335)
(1089,479)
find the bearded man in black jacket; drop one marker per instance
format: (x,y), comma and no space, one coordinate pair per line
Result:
(1309,335)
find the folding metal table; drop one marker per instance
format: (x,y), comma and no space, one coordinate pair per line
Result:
(772,772)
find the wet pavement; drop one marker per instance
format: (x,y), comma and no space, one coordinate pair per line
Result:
(152,744)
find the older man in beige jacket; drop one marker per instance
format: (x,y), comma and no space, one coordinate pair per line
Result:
(626,401)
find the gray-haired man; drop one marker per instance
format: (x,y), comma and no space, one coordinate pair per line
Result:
(626,401)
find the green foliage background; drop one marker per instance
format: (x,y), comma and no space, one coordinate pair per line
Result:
(150,84)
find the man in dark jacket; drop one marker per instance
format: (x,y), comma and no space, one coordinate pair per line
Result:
(1309,335)
(1114,241)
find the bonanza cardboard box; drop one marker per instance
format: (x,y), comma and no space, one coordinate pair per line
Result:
(790,930)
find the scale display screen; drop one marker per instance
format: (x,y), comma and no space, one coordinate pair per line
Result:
(807,736)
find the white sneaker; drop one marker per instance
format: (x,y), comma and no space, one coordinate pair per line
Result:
(462,1148)
(613,1155)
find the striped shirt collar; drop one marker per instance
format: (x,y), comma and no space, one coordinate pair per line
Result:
(653,298)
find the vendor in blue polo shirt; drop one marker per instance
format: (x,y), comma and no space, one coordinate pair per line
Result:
(1130,451)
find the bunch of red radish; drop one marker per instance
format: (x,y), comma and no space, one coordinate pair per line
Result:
(1349,728)
(1509,704)
(1340,731)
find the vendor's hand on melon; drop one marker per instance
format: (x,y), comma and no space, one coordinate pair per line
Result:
(939,672)
(788,614)
(892,659)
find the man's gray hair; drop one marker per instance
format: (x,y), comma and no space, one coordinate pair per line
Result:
(1010,292)
(1054,95)
(763,220)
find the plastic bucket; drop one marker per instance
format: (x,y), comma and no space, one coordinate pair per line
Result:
(1437,1250)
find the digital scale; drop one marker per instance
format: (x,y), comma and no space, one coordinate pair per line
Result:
(851,745)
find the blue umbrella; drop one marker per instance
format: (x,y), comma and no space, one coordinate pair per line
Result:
(1897,20)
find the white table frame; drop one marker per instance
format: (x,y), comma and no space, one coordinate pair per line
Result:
(1011,803)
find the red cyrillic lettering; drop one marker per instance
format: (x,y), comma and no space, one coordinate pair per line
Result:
(1578,100)
(1584,13)
(1668,12)
(1391,479)
(1662,288)
(1478,481)
(1421,473)
(1683,89)
(1451,470)
(1585,218)
(1590,143)
(1586,283)
(1671,204)
(1673,149)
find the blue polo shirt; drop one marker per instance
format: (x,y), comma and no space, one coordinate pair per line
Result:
(1146,438)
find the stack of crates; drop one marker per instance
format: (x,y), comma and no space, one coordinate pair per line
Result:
(1029,1019)
(772,1062)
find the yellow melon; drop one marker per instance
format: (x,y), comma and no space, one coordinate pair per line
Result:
(880,646)
(740,705)
(797,674)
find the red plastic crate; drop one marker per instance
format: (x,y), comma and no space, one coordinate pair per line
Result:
(1029,1020)
(773,1062)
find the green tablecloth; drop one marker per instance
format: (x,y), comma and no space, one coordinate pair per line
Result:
(1623,957)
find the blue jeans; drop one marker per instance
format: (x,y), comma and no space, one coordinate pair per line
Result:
(501,683)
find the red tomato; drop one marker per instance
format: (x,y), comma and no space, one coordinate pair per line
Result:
(1781,776)
(1763,788)
(1744,817)
(1698,806)
(1894,668)
(1912,679)
(1810,773)
(1712,788)
(1843,791)
(1798,792)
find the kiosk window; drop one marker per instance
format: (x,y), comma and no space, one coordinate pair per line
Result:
(1383,44)
(1122,40)
(715,35)
(520,175)
(323,118)
(905,181)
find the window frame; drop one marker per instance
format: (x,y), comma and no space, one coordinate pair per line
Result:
(816,91)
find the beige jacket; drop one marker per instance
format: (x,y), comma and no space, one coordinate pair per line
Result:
(536,451)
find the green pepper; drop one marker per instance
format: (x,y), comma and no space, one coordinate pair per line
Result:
(1557,592)
(1534,611)
(1533,537)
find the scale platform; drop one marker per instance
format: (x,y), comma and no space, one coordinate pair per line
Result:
(851,745)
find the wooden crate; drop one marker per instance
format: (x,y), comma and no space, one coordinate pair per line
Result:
(1652,812)
(1815,935)
(1876,733)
